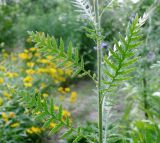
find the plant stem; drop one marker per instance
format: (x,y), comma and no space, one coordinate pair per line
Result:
(99,61)
(145,97)
(99,72)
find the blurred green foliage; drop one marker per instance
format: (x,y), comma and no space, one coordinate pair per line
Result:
(8,16)
(57,17)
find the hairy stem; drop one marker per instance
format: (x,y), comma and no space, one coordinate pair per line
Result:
(99,72)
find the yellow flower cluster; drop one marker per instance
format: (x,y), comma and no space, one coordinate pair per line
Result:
(35,71)
(2,68)
(34,130)
(73,97)
(1,101)
(24,56)
(11,74)
(36,66)
(65,113)
(7,95)
(14,125)
(64,90)
(6,117)
(1,80)
(27,81)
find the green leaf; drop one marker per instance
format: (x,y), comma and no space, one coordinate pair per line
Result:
(126,71)
(106,60)
(77,72)
(122,39)
(60,112)
(46,107)
(118,47)
(123,78)
(82,62)
(129,62)
(41,116)
(61,47)
(54,44)
(69,52)
(56,129)
(77,139)
(67,133)
(47,123)
(67,121)
(135,45)
(108,74)
(52,107)
(114,54)
(76,56)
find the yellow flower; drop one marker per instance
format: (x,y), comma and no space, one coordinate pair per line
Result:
(33,49)
(30,71)
(26,51)
(37,54)
(1,101)
(30,64)
(67,89)
(41,70)
(45,95)
(66,113)
(52,125)
(11,114)
(61,90)
(23,56)
(5,55)
(52,71)
(28,84)
(73,97)
(27,79)
(36,90)
(68,72)
(37,113)
(14,125)
(5,117)
(13,58)
(7,95)
(1,80)
(49,57)
(2,68)
(11,74)
(60,72)
(56,108)
(43,85)
(43,61)
(33,130)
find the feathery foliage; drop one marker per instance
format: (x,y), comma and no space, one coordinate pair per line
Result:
(85,9)
(115,69)
(48,45)
(122,56)
(47,112)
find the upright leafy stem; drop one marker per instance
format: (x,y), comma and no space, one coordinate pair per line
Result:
(112,69)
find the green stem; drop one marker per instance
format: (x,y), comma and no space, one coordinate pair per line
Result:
(99,61)
(99,72)
(145,97)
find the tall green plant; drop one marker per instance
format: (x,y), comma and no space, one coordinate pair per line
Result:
(112,67)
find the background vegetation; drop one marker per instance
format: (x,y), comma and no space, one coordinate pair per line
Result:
(23,67)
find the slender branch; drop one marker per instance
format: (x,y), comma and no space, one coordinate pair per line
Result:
(99,72)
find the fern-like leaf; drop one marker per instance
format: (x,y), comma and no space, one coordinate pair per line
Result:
(85,9)
(117,64)
(48,46)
